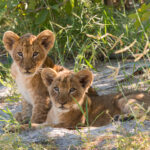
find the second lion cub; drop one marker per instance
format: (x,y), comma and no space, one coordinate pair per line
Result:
(67,91)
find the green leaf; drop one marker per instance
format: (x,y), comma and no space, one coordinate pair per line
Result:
(145,16)
(132,16)
(145,7)
(90,65)
(87,115)
(75,3)
(55,7)
(137,24)
(148,31)
(80,107)
(72,3)
(69,6)
(41,17)
(3,4)
(60,32)
(32,4)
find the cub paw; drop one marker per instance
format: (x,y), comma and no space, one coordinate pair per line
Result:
(18,128)
(123,118)
(18,117)
(21,119)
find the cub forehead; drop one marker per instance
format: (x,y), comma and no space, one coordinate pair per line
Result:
(64,74)
(26,40)
(25,43)
(66,78)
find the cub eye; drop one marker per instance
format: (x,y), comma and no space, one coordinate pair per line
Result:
(20,54)
(72,90)
(35,54)
(56,89)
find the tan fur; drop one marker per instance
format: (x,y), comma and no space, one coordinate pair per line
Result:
(29,54)
(66,88)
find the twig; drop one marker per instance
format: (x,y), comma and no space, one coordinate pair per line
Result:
(146,50)
(126,48)
(101,37)
(118,40)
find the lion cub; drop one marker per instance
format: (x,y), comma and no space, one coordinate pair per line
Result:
(67,91)
(29,54)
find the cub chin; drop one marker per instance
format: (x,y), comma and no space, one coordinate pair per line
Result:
(72,107)
(29,54)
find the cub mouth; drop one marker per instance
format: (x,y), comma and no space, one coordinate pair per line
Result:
(62,107)
(28,73)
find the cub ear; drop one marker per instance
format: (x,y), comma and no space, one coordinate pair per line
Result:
(9,39)
(46,39)
(85,77)
(48,76)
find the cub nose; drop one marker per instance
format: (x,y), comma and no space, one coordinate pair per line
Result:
(62,102)
(27,69)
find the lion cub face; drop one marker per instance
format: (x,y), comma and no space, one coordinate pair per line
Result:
(28,51)
(65,88)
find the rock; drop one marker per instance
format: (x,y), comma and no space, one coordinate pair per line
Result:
(4,91)
(64,139)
